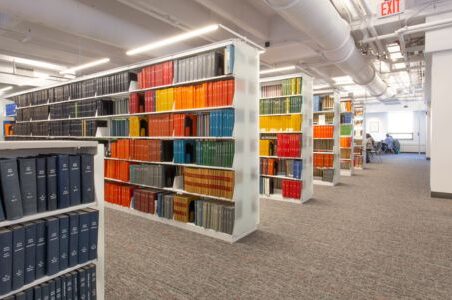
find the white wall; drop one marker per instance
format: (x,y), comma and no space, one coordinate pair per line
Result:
(419,127)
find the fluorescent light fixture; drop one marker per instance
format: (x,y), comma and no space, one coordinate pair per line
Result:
(2,90)
(32,62)
(396,55)
(85,66)
(393,48)
(343,80)
(282,69)
(174,39)
(398,66)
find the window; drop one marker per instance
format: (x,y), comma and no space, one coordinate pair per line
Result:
(400,124)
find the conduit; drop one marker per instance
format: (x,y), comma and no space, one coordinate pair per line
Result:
(323,24)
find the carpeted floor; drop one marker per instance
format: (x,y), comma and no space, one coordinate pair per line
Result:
(376,236)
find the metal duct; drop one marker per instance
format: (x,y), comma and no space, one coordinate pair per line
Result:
(323,24)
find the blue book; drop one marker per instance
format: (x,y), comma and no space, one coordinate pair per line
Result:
(81,284)
(45,291)
(27,178)
(11,195)
(41,184)
(6,260)
(52,183)
(58,293)
(75,294)
(87,174)
(74,180)
(83,237)
(160,204)
(52,245)
(68,286)
(29,294)
(93,285)
(63,181)
(37,293)
(93,233)
(41,249)
(64,241)
(73,239)
(18,257)
(30,252)
(20,296)
(52,290)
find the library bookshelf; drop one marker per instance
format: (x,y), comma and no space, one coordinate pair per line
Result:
(285,146)
(197,106)
(359,138)
(15,149)
(346,136)
(326,152)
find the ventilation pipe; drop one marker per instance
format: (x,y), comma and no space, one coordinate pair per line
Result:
(323,24)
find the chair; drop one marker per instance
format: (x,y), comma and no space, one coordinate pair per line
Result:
(377,151)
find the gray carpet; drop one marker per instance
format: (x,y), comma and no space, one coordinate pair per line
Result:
(376,236)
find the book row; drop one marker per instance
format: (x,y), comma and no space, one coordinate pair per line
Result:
(346,142)
(209,94)
(323,118)
(346,164)
(61,128)
(109,84)
(47,246)
(37,184)
(346,106)
(323,131)
(79,284)
(208,153)
(346,118)
(285,145)
(323,145)
(287,188)
(280,123)
(145,150)
(288,167)
(287,87)
(323,102)
(323,160)
(282,105)
(346,153)
(181,208)
(324,174)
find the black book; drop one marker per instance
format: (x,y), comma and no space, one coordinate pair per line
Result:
(75,285)
(29,294)
(58,288)
(27,179)
(41,248)
(20,296)
(68,285)
(18,256)
(37,293)
(88,281)
(30,252)
(52,291)
(73,238)
(6,260)
(93,285)
(11,189)
(52,183)
(9,298)
(74,179)
(45,291)
(84,219)
(81,284)
(64,241)
(87,175)
(41,183)
(93,232)
(63,180)
(2,211)
(53,246)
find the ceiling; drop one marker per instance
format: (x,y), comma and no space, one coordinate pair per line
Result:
(73,32)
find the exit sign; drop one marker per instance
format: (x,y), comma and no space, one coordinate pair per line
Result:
(388,8)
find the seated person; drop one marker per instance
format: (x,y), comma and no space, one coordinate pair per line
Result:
(389,142)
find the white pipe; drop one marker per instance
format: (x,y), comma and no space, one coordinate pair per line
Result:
(322,23)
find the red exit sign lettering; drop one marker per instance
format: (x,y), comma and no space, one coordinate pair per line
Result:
(388,8)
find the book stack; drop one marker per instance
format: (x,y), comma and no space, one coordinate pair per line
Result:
(286,168)
(292,86)
(215,216)
(160,125)
(280,123)
(217,123)
(119,194)
(136,103)
(184,151)
(37,184)
(119,127)
(324,131)
(289,145)
(145,150)
(185,125)
(218,153)
(267,147)
(346,142)
(283,105)
(115,83)
(47,246)
(144,200)
(323,103)
(322,160)
(116,169)
(215,183)
(346,118)
(291,189)
(324,145)
(156,75)
(158,176)
(164,99)
(165,206)
(183,208)
(39,113)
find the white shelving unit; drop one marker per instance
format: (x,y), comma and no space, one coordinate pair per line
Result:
(320,119)
(305,132)
(359,138)
(346,155)
(245,134)
(13,149)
